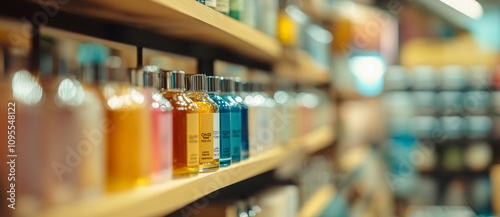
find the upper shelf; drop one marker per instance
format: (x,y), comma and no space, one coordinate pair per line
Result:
(298,65)
(164,198)
(183,19)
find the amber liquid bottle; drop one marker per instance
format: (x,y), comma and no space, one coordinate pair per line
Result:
(209,122)
(128,133)
(185,119)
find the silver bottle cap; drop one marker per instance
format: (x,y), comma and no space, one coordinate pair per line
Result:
(171,80)
(226,85)
(149,76)
(196,83)
(239,85)
(213,84)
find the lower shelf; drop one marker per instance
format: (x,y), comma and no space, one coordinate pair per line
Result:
(164,198)
(318,202)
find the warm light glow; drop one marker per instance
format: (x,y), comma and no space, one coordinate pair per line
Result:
(368,69)
(26,88)
(470,8)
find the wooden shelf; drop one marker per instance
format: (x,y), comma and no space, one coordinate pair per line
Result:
(298,65)
(164,198)
(318,202)
(184,19)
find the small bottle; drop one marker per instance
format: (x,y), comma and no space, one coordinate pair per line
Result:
(223,6)
(185,124)
(239,89)
(209,122)
(227,89)
(224,119)
(161,120)
(235,7)
(211,3)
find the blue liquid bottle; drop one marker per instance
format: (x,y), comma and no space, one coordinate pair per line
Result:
(227,89)
(240,88)
(213,90)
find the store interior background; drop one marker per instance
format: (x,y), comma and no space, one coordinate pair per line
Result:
(414,88)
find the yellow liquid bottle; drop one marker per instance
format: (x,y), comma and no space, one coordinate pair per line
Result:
(185,120)
(209,123)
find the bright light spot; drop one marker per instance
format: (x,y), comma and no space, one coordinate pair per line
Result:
(294,12)
(319,34)
(470,8)
(155,104)
(70,92)
(249,100)
(309,100)
(258,100)
(368,69)
(270,103)
(115,102)
(26,88)
(280,96)
(137,96)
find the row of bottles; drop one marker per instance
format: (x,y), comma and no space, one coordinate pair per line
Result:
(98,128)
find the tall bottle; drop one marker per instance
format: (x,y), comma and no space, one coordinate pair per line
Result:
(227,89)
(186,124)
(209,123)
(128,132)
(213,89)
(240,89)
(161,120)
(252,119)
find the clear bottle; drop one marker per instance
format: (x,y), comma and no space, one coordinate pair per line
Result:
(263,135)
(213,89)
(209,122)
(227,89)
(271,114)
(252,119)
(240,89)
(185,124)
(147,78)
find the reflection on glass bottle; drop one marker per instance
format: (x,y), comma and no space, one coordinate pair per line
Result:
(209,122)
(161,120)
(227,89)
(186,124)
(239,90)
(213,89)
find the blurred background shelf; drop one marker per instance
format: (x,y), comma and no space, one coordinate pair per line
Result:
(317,203)
(164,198)
(298,65)
(184,26)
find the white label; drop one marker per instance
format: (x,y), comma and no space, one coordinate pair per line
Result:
(216,136)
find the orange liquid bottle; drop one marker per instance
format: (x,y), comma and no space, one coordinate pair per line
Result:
(185,119)
(128,131)
(209,122)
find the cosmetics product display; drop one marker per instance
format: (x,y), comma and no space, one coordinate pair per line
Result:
(227,90)
(209,139)
(186,124)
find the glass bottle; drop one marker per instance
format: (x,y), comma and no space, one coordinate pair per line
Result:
(239,89)
(223,6)
(252,119)
(209,122)
(161,119)
(235,7)
(211,3)
(213,89)
(128,130)
(227,89)
(185,119)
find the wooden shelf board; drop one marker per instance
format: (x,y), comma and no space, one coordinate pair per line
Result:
(318,201)
(164,198)
(184,19)
(298,65)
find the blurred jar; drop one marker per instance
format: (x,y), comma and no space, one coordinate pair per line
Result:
(454,77)
(396,78)
(479,127)
(451,102)
(476,102)
(454,127)
(479,77)
(425,78)
(424,126)
(425,102)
